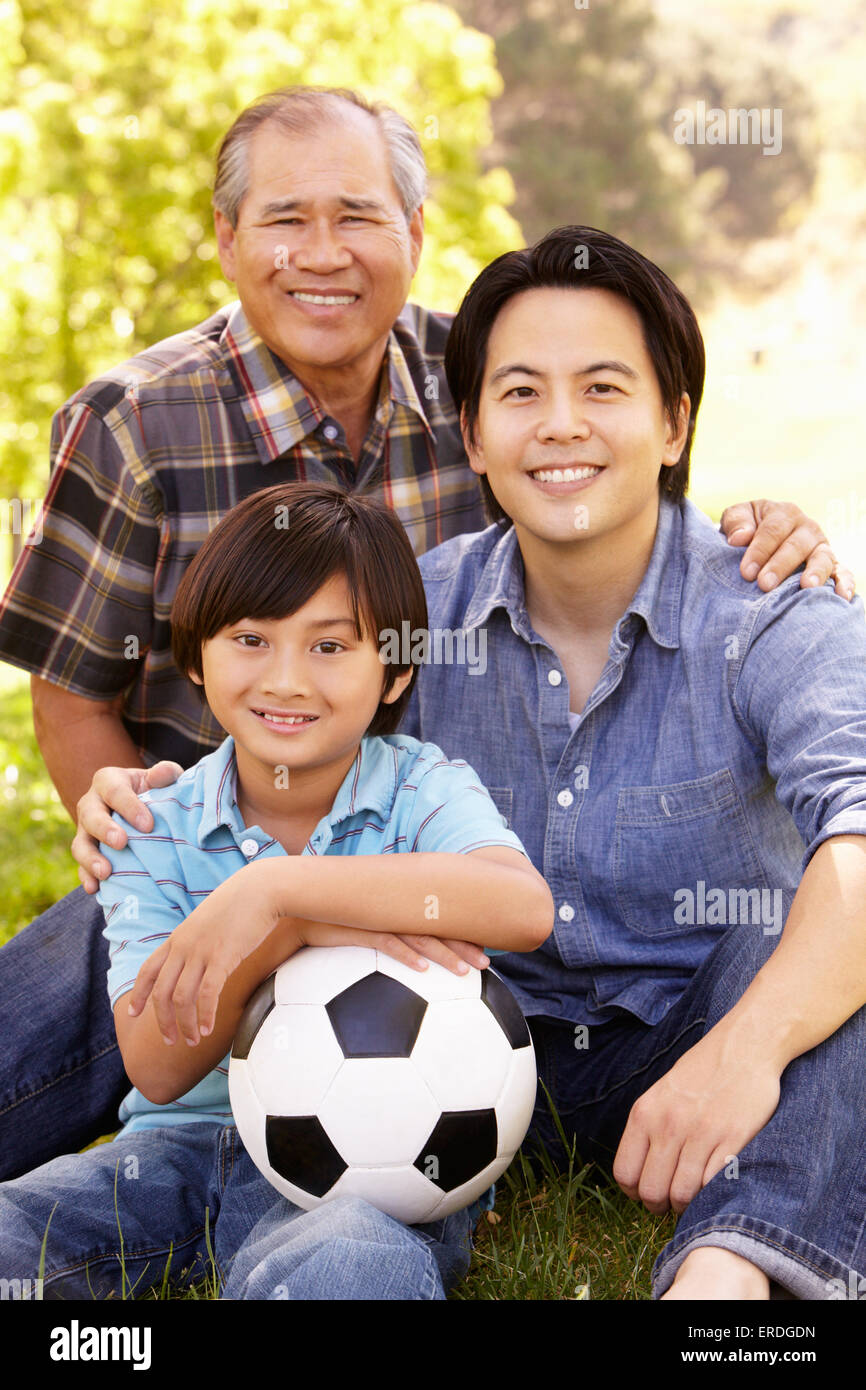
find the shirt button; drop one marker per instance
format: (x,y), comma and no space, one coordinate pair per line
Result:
(565,798)
(330,432)
(249,848)
(555,677)
(566,912)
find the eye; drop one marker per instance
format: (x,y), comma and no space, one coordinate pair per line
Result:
(604,387)
(515,389)
(329,642)
(251,640)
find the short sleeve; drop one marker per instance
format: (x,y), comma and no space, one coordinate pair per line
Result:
(452,811)
(78,610)
(141,908)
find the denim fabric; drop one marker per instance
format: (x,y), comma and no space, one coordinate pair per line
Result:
(116,1219)
(794,1199)
(724,741)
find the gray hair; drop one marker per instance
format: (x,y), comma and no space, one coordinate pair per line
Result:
(300,110)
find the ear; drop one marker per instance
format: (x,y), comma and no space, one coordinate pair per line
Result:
(225,236)
(416,236)
(196,680)
(676,435)
(474,451)
(397,688)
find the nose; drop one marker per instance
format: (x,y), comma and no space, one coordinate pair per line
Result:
(285,676)
(565,418)
(321,249)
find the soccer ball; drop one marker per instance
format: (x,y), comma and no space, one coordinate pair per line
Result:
(352,1074)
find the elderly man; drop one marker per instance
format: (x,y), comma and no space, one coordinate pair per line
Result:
(321,371)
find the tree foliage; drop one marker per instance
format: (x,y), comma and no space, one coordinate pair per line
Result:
(110,122)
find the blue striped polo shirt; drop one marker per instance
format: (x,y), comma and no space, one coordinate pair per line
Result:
(399,796)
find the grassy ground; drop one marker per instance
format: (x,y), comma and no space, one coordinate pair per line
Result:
(562,1236)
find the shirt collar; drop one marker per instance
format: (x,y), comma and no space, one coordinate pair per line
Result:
(369,785)
(657,599)
(277,409)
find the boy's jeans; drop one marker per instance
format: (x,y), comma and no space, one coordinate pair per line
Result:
(796,1207)
(123,1215)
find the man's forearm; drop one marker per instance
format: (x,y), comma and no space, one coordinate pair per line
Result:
(76,737)
(816,977)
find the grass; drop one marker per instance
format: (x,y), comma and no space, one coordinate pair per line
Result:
(552,1236)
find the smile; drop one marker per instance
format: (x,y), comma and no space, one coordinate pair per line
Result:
(306,297)
(285,721)
(563,475)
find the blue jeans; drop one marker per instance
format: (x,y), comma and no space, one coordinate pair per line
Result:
(793,1203)
(795,1208)
(124,1216)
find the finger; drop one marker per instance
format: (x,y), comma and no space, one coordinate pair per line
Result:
(402,949)
(774,529)
(820,564)
(212,985)
(88,882)
(654,1184)
(162,774)
(846,584)
(94,824)
(116,786)
(145,980)
(630,1157)
(688,1177)
(472,954)
(185,1000)
(162,999)
(442,953)
(718,1159)
(797,549)
(738,523)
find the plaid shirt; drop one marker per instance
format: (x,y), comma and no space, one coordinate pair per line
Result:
(148,458)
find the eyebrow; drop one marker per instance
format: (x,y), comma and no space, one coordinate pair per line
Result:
(606,366)
(300,204)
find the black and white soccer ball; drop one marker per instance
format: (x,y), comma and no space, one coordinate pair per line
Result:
(352,1074)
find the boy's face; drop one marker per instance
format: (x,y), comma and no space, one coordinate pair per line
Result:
(259,674)
(568,382)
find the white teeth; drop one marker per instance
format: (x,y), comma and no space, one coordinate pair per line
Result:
(287,719)
(324,298)
(563,475)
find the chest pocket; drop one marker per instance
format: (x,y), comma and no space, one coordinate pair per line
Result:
(669,838)
(503,800)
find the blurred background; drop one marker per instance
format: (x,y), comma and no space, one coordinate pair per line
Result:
(532,113)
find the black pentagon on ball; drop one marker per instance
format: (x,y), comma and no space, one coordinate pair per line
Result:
(254,1015)
(376,1017)
(461,1145)
(301,1152)
(505,1009)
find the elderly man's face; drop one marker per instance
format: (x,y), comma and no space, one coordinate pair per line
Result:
(322,255)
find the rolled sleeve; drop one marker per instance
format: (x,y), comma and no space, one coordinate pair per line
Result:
(802,692)
(78,610)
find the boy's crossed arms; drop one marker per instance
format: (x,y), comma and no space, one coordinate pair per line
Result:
(196,984)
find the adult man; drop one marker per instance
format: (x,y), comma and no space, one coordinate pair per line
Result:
(316,198)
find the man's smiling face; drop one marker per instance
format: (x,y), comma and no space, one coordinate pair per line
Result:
(322,255)
(569,385)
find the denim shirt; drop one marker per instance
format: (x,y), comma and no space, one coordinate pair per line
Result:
(724,741)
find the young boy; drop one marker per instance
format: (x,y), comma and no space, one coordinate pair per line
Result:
(312,824)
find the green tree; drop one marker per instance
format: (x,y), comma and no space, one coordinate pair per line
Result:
(110,123)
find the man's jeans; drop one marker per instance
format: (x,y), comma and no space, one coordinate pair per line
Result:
(795,1207)
(123,1217)
(793,1201)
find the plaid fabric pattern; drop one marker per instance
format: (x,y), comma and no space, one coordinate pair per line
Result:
(145,461)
